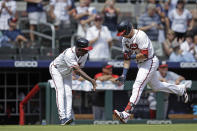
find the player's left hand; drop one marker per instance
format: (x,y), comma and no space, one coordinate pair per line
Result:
(121,79)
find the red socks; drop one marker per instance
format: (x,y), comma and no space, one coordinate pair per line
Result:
(129,107)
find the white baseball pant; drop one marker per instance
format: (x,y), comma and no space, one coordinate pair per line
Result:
(147,75)
(63,87)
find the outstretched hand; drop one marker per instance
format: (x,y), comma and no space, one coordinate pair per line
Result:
(121,79)
(94,84)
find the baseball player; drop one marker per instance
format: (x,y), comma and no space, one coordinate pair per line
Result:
(72,59)
(137,46)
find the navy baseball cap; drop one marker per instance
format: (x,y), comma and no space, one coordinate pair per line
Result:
(124,28)
(83,43)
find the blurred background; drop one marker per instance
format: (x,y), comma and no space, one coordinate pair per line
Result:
(33,33)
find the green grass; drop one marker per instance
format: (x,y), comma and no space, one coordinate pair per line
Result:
(126,127)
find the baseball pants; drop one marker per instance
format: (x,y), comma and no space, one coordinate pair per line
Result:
(63,87)
(147,75)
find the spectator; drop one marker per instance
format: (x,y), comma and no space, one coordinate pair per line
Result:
(188,43)
(172,4)
(101,40)
(7,10)
(98,99)
(85,14)
(180,56)
(72,10)
(36,14)
(163,18)
(72,4)
(111,14)
(194,20)
(150,23)
(194,49)
(170,77)
(167,45)
(159,8)
(59,12)
(180,17)
(14,34)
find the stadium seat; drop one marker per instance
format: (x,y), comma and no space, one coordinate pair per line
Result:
(29,53)
(8,53)
(46,54)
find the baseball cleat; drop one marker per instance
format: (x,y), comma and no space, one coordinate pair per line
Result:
(122,116)
(185,96)
(66,121)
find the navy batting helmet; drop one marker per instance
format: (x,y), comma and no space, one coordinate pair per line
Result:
(124,28)
(83,44)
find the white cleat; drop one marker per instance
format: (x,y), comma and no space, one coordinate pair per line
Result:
(185,96)
(122,116)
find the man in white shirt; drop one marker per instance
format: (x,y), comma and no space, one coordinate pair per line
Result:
(7,10)
(72,59)
(59,11)
(100,38)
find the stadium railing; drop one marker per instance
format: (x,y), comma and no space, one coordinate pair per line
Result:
(49,37)
(52,117)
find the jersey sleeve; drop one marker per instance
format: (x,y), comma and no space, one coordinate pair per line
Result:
(115,76)
(173,75)
(70,59)
(142,41)
(97,75)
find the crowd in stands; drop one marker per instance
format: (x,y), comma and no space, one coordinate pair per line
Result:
(171,27)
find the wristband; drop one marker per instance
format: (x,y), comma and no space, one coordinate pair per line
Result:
(133,56)
(124,73)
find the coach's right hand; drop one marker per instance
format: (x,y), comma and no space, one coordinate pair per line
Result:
(94,84)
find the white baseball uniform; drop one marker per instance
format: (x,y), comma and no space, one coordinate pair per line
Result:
(147,67)
(61,73)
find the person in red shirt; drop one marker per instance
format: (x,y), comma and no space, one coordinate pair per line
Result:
(98,98)
(106,74)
